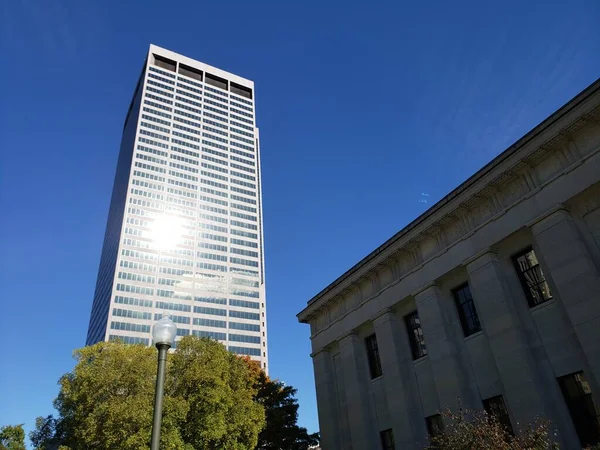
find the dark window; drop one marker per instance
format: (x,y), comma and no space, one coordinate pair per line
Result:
(435,424)
(241,90)
(373,355)
(532,278)
(584,412)
(466,310)
(387,440)
(190,72)
(213,80)
(496,408)
(415,335)
(164,63)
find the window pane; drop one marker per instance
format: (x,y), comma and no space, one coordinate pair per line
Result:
(415,335)
(583,410)
(373,356)
(532,278)
(466,310)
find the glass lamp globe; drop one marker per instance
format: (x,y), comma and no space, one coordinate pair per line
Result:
(164,331)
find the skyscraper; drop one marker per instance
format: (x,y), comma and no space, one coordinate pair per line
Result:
(184,232)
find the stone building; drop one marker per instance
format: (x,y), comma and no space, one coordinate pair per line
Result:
(490,299)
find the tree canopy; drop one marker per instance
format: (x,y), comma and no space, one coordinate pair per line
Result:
(12,437)
(214,400)
(106,402)
(281,409)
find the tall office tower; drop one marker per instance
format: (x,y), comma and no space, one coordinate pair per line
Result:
(184,233)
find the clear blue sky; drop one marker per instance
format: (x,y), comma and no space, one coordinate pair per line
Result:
(363,107)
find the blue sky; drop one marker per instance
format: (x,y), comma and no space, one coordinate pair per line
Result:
(363,107)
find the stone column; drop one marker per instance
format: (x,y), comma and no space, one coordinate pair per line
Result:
(356,379)
(530,391)
(444,340)
(327,404)
(402,391)
(572,273)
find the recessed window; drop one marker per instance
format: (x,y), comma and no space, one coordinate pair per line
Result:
(164,63)
(373,356)
(435,425)
(415,335)
(190,72)
(216,81)
(241,90)
(532,278)
(387,440)
(466,310)
(584,412)
(496,408)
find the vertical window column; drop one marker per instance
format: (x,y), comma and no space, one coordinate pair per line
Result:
(530,391)
(373,356)
(573,272)
(445,344)
(466,310)
(400,383)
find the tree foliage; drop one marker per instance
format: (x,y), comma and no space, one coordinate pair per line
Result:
(218,387)
(281,409)
(467,430)
(12,437)
(107,401)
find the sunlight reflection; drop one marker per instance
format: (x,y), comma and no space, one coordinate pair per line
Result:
(166,232)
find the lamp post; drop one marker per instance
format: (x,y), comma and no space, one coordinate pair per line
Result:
(163,334)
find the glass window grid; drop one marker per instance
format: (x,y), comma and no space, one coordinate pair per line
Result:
(210,334)
(467,312)
(373,356)
(415,335)
(169,95)
(244,338)
(161,71)
(244,350)
(241,125)
(131,340)
(242,161)
(241,153)
(248,121)
(532,278)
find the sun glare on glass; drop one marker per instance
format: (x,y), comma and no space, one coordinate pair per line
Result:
(166,232)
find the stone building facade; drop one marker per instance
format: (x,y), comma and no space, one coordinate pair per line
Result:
(490,299)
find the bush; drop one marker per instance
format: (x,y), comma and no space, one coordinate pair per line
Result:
(467,430)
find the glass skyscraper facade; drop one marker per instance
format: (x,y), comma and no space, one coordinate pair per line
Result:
(184,234)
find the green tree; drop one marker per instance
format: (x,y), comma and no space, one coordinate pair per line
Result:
(467,430)
(218,387)
(12,437)
(106,402)
(45,435)
(281,409)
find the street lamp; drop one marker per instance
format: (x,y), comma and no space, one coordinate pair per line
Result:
(163,334)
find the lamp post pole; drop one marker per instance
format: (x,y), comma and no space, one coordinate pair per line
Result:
(163,333)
